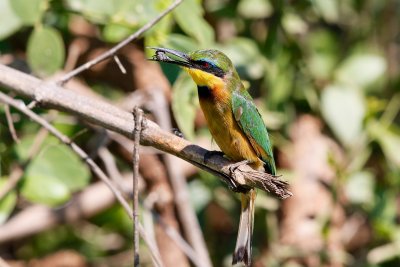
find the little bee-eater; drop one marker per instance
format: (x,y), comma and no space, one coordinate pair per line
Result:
(234,122)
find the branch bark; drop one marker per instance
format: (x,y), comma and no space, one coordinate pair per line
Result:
(110,117)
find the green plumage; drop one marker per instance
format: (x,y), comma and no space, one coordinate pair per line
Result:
(251,123)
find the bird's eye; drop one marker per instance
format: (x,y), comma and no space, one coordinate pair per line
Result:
(204,64)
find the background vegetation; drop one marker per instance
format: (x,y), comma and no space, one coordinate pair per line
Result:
(325,75)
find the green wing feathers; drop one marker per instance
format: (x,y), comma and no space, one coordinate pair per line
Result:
(250,121)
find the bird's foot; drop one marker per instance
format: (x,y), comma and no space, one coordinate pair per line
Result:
(233,167)
(211,153)
(238,177)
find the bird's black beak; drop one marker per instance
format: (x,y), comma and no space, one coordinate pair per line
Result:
(171,56)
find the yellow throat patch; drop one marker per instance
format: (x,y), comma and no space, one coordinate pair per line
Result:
(203,78)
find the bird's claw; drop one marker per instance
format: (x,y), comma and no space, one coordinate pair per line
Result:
(233,167)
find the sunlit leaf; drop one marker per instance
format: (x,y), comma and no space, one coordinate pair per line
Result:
(45,190)
(343,109)
(9,21)
(114,33)
(29,11)
(255,9)
(181,42)
(7,203)
(359,188)
(388,139)
(46,51)
(328,9)
(279,78)
(294,24)
(199,194)
(98,11)
(324,52)
(53,174)
(189,16)
(361,69)
(246,57)
(185,104)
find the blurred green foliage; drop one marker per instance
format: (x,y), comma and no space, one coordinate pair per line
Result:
(338,60)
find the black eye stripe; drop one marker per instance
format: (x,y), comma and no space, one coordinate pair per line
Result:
(210,68)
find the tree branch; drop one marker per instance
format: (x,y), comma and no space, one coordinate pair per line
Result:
(138,113)
(115,119)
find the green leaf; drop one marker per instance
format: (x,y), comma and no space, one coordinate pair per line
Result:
(53,174)
(45,51)
(30,11)
(294,24)
(114,33)
(7,203)
(246,57)
(388,139)
(255,9)
(189,16)
(328,9)
(45,190)
(180,42)
(9,21)
(361,70)
(324,51)
(360,188)
(200,195)
(343,109)
(159,33)
(97,11)
(185,104)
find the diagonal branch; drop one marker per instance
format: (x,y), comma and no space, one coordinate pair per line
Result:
(112,118)
(94,167)
(117,47)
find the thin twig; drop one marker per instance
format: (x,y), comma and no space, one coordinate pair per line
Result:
(138,113)
(111,167)
(11,124)
(180,241)
(115,49)
(120,66)
(82,154)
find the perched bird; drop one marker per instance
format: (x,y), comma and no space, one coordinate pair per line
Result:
(234,122)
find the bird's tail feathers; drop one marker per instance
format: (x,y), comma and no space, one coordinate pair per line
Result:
(243,244)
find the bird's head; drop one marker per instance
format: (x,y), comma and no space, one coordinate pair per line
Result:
(207,67)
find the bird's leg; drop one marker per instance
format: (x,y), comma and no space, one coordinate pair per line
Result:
(211,153)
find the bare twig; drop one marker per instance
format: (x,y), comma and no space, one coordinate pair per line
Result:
(182,244)
(11,124)
(115,49)
(186,212)
(115,119)
(120,66)
(95,168)
(138,113)
(111,167)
